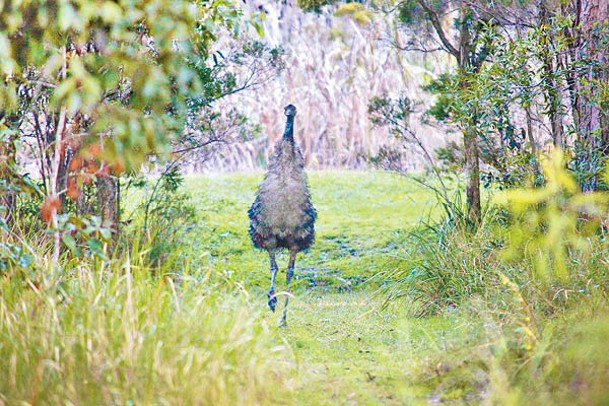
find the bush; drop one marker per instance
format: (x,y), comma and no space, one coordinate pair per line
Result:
(531,285)
(440,271)
(163,219)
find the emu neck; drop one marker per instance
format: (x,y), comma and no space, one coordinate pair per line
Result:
(288,134)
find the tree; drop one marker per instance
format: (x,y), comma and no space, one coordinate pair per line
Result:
(7,175)
(97,88)
(589,85)
(469,52)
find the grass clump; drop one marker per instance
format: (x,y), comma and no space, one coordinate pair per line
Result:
(530,285)
(115,335)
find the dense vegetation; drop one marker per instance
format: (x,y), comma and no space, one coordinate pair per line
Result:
(480,279)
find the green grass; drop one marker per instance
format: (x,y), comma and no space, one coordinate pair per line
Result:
(117,332)
(198,331)
(363,217)
(345,350)
(348,352)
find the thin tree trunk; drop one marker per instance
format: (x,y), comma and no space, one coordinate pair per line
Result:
(552,94)
(63,171)
(554,103)
(530,135)
(7,194)
(556,121)
(54,190)
(468,62)
(470,136)
(472,168)
(590,121)
(107,198)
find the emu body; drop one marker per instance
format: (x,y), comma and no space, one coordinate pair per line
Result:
(282,215)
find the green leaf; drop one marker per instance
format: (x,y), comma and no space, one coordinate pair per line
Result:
(259,29)
(69,241)
(110,12)
(67,17)
(7,64)
(63,91)
(105,233)
(95,245)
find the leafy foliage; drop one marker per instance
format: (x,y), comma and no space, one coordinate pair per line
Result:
(164,219)
(314,5)
(104,89)
(357,11)
(545,229)
(121,65)
(411,13)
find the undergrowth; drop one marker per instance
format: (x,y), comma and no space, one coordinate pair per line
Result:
(466,320)
(133,322)
(532,281)
(113,333)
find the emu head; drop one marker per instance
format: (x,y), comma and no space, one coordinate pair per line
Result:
(289,110)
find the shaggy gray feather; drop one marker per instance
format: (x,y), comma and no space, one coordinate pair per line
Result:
(282,215)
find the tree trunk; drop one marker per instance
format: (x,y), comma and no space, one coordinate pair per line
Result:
(551,92)
(590,120)
(8,196)
(468,63)
(108,200)
(472,167)
(470,136)
(530,135)
(63,172)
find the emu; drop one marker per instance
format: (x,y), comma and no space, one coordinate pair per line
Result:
(282,215)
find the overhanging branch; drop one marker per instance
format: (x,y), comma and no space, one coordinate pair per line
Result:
(437,25)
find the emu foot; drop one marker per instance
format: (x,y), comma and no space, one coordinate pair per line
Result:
(272,299)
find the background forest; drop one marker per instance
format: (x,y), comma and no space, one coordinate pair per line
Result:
(457,158)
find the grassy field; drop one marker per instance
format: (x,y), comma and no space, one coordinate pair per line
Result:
(344,349)
(361,221)
(197,330)
(116,333)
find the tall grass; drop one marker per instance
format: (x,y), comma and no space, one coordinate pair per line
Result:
(525,341)
(535,332)
(444,261)
(114,334)
(434,275)
(334,66)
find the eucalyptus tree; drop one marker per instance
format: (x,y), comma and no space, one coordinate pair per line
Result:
(457,28)
(589,85)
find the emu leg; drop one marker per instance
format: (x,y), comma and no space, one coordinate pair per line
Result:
(289,274)
(271,294)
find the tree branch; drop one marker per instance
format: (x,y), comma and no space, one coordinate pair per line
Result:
(198,146)
(437,25)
